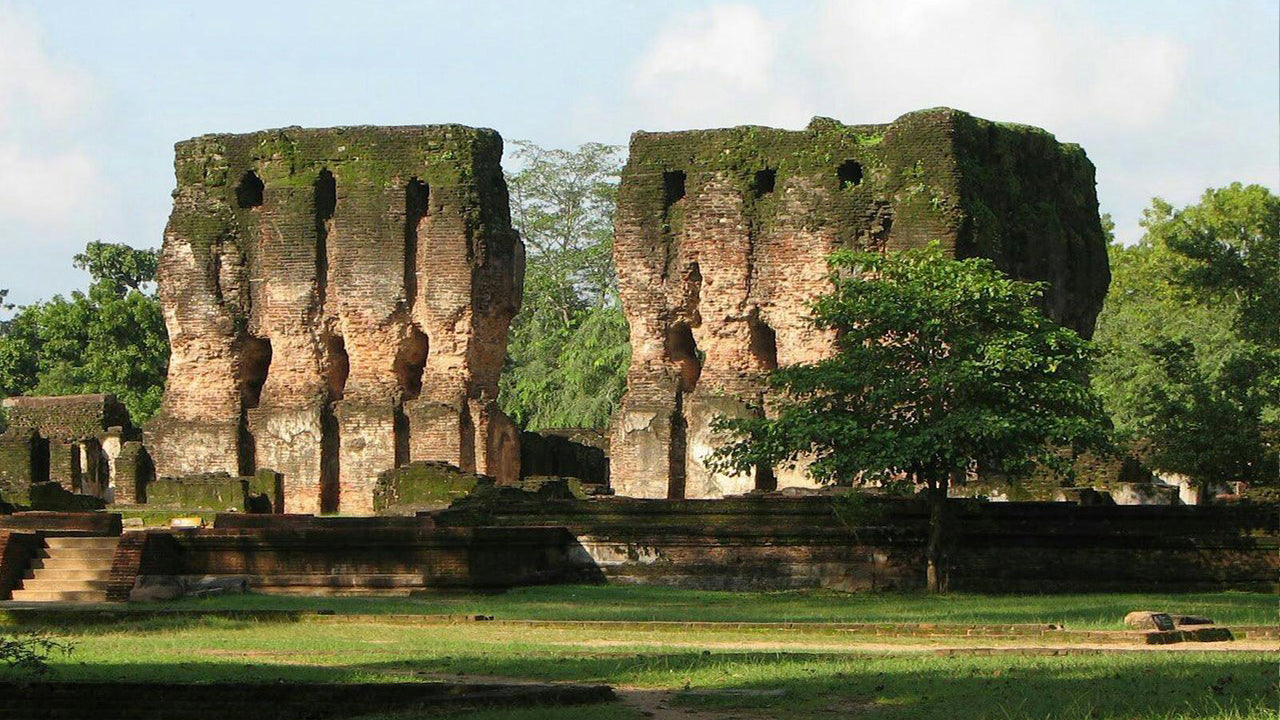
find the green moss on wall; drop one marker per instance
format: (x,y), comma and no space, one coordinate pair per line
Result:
(421,486)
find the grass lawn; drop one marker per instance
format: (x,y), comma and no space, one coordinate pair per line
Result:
(709,672)
(613,602)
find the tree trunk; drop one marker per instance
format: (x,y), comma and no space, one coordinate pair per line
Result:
(935,551)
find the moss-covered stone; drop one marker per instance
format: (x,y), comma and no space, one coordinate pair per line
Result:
(422,486)
(52,496)
(217,492)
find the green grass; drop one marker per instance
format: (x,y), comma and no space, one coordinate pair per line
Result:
(702,666)
(712,672)
(612,602)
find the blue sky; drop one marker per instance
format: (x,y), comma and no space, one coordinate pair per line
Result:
(1167,98)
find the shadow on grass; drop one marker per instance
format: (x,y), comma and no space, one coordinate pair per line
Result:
(1123,686)
(578,602)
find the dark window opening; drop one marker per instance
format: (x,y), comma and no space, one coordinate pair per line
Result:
(850,173)
(337,365)
(246,447)
(326,202)
(417,194)
(410,362)
(678,451)
(329,461)
(672,187)
(39,459)
(693,292)
(683,351)
(326,190)
(400,431)
(467,441)
(765,181)
(145,474)
(255,363)
(249,190)
(763,342)
(765,478)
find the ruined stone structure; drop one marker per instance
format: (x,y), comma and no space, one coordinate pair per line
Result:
(337,302)
(85,443)
(722,238)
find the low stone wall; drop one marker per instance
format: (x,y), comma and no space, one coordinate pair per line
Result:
(307,554)
(760,543)
(64,523)
(220,492)
(778,542)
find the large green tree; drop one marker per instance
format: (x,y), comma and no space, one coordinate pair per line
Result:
(1191,337)
(941,366)
(568,349)
(109,339)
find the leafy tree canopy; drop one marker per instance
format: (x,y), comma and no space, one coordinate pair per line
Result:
(110,339)
(940,365)
(1190,332)
(568,350)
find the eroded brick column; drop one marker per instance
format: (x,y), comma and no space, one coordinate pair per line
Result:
(374,272)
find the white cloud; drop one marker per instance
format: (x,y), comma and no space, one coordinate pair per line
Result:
(712,67)
(1150,101)
(45,190)
(51,184)
(33,85)
(999,59)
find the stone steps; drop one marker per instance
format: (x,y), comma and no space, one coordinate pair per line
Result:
(69,569)
(67,574)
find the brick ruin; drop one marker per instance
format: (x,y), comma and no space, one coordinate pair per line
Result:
(337,302)
(85,443)
(722,237)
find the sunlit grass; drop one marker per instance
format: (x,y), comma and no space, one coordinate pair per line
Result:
(585,602)
(696,665)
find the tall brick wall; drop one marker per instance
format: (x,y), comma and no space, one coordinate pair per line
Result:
(337,303)
(722,238)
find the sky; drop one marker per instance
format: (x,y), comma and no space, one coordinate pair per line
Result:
(1166,98)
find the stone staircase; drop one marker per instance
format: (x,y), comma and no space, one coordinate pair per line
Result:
(69,569)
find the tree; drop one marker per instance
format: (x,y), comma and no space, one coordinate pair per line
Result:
(110,339)
(568,349)
(1190,369)
(941,366)
(118,268)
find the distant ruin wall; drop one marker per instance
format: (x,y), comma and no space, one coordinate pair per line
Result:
(337,302)
(722,238)
(73,440)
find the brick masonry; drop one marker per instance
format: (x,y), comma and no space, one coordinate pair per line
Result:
(722,237)
(777,543)
(73,440)
(337,302)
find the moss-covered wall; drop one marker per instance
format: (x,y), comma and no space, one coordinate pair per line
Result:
(318,284)
(421,486)
(722,238)
(67,417)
